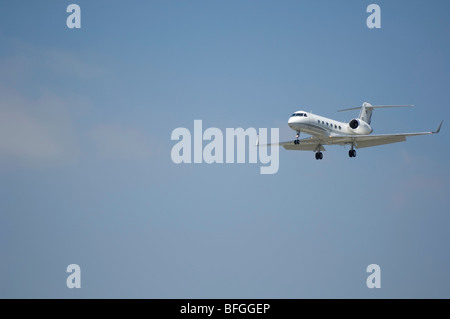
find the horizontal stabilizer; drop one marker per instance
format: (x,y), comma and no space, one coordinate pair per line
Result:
(366,110)
(374,107)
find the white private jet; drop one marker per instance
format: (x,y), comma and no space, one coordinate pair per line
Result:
(356,133)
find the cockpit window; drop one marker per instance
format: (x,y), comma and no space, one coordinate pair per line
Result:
(298,114)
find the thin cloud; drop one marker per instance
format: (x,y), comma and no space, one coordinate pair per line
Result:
(36,123)
(26,62)
(117,142)
(34,131)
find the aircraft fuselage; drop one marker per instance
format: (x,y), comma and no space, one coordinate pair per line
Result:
(317,125)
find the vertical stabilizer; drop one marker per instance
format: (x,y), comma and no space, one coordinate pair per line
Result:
(366,112)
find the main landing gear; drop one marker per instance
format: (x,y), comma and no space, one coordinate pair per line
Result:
(319,155)
(352,153)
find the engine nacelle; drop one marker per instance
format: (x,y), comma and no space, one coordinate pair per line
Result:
(358,126)
(354,124)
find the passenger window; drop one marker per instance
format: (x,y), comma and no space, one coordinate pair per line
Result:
(339,127)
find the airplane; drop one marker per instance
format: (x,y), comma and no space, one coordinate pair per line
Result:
(355,133)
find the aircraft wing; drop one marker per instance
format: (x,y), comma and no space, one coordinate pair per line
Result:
(306,144)
(361,141)
(315,143)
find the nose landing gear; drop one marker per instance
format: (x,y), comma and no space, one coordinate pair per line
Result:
(297,141)
(319,155)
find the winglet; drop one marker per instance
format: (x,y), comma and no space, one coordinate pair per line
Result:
(439,127)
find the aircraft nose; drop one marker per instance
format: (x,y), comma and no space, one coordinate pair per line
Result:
(293,122)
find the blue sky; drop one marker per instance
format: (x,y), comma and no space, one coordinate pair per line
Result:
(86,175)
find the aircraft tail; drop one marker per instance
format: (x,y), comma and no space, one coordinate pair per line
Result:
(366,110)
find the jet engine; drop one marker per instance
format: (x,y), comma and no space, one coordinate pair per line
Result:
(358,126)
(354,124)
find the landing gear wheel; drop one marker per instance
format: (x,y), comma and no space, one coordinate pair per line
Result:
(352,153)
(319,155)
(296,141)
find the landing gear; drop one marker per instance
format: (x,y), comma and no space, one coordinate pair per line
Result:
(352,152)
(296,141)
(319,155)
